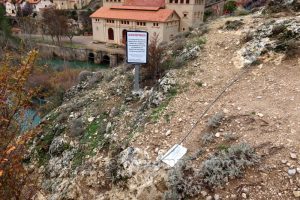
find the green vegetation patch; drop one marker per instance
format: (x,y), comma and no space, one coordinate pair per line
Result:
(158,111)
(42,148)
(93,140)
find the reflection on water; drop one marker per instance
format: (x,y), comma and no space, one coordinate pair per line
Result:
(29,120)
(58,64)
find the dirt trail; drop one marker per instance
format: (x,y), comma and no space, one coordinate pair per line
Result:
(264,106)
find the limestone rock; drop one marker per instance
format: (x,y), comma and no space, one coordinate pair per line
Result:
(296,194)
(292,172)
(57,146)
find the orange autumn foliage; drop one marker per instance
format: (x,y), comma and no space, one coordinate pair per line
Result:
(15,97)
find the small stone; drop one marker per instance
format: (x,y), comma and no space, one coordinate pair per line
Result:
(217,135)
(293,156)
(108,127)
(113,112)
(233,196)
(296,193)
(203,193)
(292,172)
(298,170)
(180,120)
(168,133)
(209,198)
(225,110)
(283,161)
(260,114)
(244,195)
(216,197)
(245,190)
(259,97)
(90,119)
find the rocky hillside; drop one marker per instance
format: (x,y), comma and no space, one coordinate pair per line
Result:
(106,143)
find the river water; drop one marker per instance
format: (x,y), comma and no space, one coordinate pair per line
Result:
(31,117)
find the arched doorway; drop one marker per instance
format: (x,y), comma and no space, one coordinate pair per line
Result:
(105,60)
(91,58)
(111,34)
(124,36)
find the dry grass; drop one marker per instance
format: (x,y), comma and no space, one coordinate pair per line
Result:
(65,79)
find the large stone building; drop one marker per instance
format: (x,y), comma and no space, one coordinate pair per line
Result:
(166,18)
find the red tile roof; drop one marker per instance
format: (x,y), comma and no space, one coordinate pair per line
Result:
(33,1)
(151,3)
(135,8)
(160,15)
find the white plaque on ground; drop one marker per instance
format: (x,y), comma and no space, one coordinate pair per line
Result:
(174,155)
(137,47)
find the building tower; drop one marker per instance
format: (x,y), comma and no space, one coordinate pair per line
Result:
(190,11)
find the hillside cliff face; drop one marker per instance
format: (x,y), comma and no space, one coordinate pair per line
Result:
(104,142)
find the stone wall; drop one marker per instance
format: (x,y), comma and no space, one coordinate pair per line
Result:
(68,53)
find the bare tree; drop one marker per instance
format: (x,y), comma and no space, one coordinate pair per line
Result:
(72,30)
(28,26)
(156,53)
(55,23)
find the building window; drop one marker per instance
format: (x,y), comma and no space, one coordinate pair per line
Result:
(110,21)
(155,24)
(182,1)
(171,1)
(124,22)
(141,23)
(187,1)
(185,15)
(111,34)
(176,1)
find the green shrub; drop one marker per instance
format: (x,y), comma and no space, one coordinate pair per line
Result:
(208,138)
(215,121)
(227,164)
(207,14)
(183,183)
(230,6)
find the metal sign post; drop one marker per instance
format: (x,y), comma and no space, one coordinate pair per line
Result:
(136,87)
(137,53)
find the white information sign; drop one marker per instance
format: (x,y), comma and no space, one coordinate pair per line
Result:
(174,155)
(137,47)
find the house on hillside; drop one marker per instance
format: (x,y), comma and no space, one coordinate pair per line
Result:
(39,4)
(70,4)
(10,9)
(166,18)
